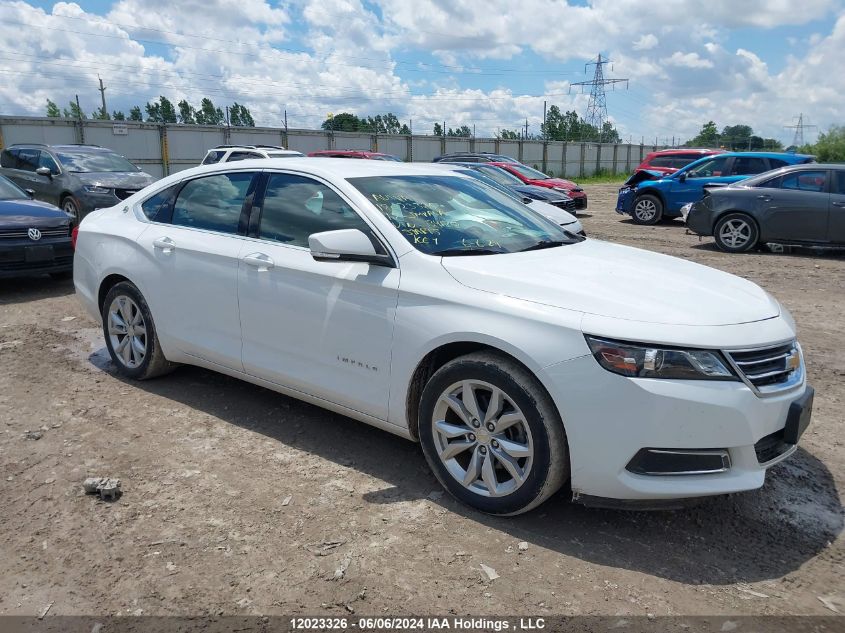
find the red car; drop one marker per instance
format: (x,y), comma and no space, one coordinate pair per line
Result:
(668,161)
(354,153)
(533,177)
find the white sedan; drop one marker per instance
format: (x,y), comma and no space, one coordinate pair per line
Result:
(432,306)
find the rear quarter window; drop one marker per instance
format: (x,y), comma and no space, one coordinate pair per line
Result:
(9,158)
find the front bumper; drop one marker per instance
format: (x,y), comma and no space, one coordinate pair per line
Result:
(20,257)
(625,200)
(606,433)
(579,197)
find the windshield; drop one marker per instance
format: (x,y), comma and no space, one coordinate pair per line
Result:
(451,215)
(95,162)
(387,157)
(499,175)
(10,191)
(533,174)
(472,173)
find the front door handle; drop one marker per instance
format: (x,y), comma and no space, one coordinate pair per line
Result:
(839,204)
(165,244)
(260,261)
(764,197)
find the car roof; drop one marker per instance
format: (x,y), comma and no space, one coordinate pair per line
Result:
(78,147)
(780,155)
(686,150)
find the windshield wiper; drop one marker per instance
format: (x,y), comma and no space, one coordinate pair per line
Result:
(545,244)
(452,252)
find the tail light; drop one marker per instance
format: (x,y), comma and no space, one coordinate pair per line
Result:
(74,233)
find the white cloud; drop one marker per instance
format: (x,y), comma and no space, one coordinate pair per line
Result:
(689,60)
(646,42)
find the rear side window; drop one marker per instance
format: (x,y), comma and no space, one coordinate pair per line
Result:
(9,158)
(295,207)
(777,162)
(839,182)
(28,159)
(712,168)
(242,156)
(213,157)
(745,165)
(212,203)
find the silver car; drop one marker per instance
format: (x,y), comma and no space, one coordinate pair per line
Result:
(77,178)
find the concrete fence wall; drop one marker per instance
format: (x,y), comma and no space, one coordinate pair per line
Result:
(165,149)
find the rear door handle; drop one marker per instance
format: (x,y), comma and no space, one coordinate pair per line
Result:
(165,244)
(764,197)
(260,261)
(839,204)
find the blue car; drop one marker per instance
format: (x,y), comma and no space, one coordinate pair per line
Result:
(650,196)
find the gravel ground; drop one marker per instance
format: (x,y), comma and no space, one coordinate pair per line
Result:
(239,501)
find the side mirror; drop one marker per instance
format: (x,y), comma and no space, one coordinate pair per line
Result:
(44,171)
(346,245)
(527,200)
(682,178)
(30,193)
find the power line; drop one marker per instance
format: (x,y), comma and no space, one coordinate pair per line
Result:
(798,139)
(597,106)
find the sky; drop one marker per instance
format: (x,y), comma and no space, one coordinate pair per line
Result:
(487,64)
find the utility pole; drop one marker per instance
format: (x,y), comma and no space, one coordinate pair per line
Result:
(545,129)
(79,121)
(526,129)
(798,139)
(597,106)
(102,90)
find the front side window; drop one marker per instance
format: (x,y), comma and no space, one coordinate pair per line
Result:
(804,181)
(157,207)
(450,215)
(212,203)
(295,207)
(745,165)
(711,168)
(95,162)
(839,182)
(9,158)
(45,160)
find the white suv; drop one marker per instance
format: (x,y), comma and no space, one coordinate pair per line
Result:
(230,153)
(432,306)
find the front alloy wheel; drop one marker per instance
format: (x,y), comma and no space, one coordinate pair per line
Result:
(482,438)
(70,207)
(648,209)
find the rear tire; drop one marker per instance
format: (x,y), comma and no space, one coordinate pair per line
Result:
(736,233)
(492,435)
(131,335)
(648,209)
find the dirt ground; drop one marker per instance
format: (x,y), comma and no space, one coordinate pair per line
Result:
(241,501)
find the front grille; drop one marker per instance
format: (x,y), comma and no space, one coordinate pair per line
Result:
(18,233)
(123,194)
(771,447)
(57,262)
(770,368)
(566,205)
(580,203)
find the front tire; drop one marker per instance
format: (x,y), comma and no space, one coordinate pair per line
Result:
(131,335)
(492,435)
(71,206)
(736,233)
(648,209)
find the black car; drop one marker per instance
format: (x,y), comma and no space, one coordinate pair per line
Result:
(801,204)
(473,157)
(507,179)
(35,237)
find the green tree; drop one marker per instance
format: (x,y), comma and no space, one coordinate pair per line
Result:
(240,116)
(509,135)
(53,110)
(707,137)
(343,122)
(405,129)
(830,147)
(462,131)
(186,113)
(100,115)
(75,112)
(161,111)
(208,114)
(737,137)
(135,114)
(117,115)
(438,130)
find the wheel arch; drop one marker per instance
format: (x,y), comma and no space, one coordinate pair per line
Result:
(108,282)
(444,353)
(653,191)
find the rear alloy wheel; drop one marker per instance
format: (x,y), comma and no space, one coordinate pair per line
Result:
(491,434)
(648,209)
(736,233)
(131,335)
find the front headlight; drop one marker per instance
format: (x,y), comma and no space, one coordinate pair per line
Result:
(96,189)
(647,361)
(560,188)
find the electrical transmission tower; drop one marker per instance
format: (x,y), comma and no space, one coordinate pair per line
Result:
(798,139)
(597,106)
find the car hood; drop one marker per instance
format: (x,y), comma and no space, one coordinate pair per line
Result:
(117,180)
(30,213)
(542,193)
(617,281)
(557,182)
(642,175)
(555,214)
